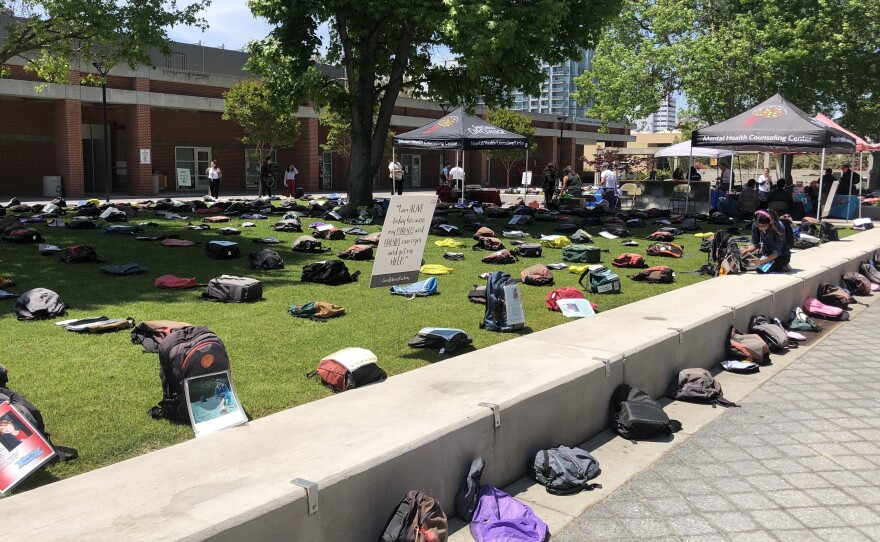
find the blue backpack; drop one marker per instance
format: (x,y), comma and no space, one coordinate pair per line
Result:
(423,288)
(498,305)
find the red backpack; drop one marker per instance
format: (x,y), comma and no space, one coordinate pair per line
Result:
(170,282)
(628,259)
(564,293)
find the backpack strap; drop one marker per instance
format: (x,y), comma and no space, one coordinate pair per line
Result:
(674,426)
(724,402)
(586,273)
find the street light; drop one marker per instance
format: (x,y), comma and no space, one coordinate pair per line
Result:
(103,71)
(561,120)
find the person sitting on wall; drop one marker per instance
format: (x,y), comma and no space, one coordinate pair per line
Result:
(782,195)
(768,238)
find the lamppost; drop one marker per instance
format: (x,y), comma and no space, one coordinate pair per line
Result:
(561,120)
(103,71)
(445,107)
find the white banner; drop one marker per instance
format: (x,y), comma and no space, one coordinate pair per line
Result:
(402,243)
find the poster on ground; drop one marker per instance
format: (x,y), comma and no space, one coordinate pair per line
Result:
(212,403)
(402,243)
(23,449)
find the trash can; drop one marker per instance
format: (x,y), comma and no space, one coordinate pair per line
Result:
(52,186)
(155,185)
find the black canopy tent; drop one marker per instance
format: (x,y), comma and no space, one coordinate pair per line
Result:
(778,126)
(460,131)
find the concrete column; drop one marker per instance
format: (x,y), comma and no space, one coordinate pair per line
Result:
(68,143)
(138,133)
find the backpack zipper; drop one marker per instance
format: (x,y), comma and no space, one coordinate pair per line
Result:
(193,351)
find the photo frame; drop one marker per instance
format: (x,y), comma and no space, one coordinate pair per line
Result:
(212,403)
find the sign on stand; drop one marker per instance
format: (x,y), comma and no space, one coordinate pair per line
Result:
(184,178)
(402,243)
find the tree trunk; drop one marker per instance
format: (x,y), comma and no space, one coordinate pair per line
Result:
(360,170)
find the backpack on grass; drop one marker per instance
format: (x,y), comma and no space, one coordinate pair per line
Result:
(423,288)
(658,274)
(22,235)
(230,289)
(307,243)
(221,250)
(636,415)
(528,250)
(562,293)
(316,310)
(447,340)
(581,254)
(39,304)
(266,259)
(670,250)
(171,282)
(348,368)
(503,299)
(500,257)
(417,518)
(33,416)
(330,272)
(537,275)
(79,253)
(628,259)
(151,333)
(564,471)
(124,270)
(357,252)
(697,385)
(602,280)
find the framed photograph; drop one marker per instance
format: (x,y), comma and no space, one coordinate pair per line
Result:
(212,403)
(23,449)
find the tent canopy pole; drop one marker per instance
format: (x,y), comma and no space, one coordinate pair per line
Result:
(821,177)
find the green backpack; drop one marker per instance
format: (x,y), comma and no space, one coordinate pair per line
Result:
(581,254)
(602,280)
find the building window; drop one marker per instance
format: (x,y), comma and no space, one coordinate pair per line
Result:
(176,61)
(253,162)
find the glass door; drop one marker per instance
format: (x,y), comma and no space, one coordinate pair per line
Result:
(326,170)
(196,160)
(412,170)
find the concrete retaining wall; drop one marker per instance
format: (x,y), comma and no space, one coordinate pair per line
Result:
(365,448)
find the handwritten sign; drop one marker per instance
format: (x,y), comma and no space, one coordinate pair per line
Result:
(404,234)
(527,178)
(184,178)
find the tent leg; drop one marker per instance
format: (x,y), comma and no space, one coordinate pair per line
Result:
(393,161)
(821,175)
(526,170)
(687,197)
(861,161)
(851,175)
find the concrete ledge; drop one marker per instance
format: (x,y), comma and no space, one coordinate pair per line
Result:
(367,447)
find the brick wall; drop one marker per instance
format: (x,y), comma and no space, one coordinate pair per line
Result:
(27,148)
(68,146)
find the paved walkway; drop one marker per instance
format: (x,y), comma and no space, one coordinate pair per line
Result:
(799,461)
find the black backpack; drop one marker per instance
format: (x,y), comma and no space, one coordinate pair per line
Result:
(773,334)
(856,283)
(39,304)
(32,415)
(266,259)
(495,318)
(223,250)
(79,253)
(331,272)
(829,232)
(418,517)
(636,415)
(307,243)
(619,231)
(229,289)
(528,250)
(185,353)
(124,269)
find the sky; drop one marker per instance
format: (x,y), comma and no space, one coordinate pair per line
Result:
(231,25)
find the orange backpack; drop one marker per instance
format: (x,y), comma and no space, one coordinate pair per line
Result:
(670,250)
(628,259)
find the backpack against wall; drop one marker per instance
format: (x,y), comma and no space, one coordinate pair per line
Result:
(870,272)
(348,368)
(800,321)
(423,288)
(221,250)
(316,310)
(581,254)
(500,517)
(748,345)
(150,334)
(697,385)
(231,289)
(495,317)
(266,259)
(39,304)
(636,415)
(357,252)
(22,235)
(816,308)
(185,353)
(537,275)
(330,272)
(856,283)
(670,250)
(602,280)
(658,274)
(630,260)
(773,334)
(499,257)
(833,295)
(528,250)
(417,518)
(564,471)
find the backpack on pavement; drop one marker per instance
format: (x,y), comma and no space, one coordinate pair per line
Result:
(800,321)
(417,518)
(500,517)
(697,385)
(833,295)
(39,304)
(231,289)
(773,334)
(748,345)
(348,368)
(635,415)
(870,272)
(564,471)
(857,283)
(814,307)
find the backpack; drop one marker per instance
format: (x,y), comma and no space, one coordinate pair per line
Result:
(288,225)
(814,307)
(171,282)
(636,415)
(488,243)
(856,283)
(658,274)
(562,293)
(833,295)
(665,249)
(179,242)
(799,321)
(580,236)
(216,219)
(39,304)
(186,353)
(151,333)
(221,250)
(330,272)
(418,518)
(661,236)
(697,385)
(22,235)
(81,225)
(333,234)
(372,239)
(444,229)
(628,259)
(772,333)
(829,232)
(706,243)
(749,346)
(230,289)
(32,415)
(870,272)
(581,254)
(636,222)
(448,340)
(357,252)
(602,280)
(566,228)
(500,517)
(435,269)
(564,471)
(119,229)
(528,250)
(689,224)
(348,368)
(79,253)
(307,243)
(483,232)
(316,310)
(499,257)
(499,285)
(555,241)
(617,231)
(266,259)
(477,294)
(423,288)
(537,275)
(123,270)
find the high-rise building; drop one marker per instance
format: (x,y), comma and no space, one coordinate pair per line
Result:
(661,120)
(555,97)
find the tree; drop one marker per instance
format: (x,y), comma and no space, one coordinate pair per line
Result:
(49,34)
(339,133)
(518,124)
(267,123)
(383,47)
(611,157)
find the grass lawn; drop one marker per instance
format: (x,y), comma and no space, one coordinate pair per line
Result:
(95,390)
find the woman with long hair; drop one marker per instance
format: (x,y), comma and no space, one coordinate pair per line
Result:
(769,237)
(549,185)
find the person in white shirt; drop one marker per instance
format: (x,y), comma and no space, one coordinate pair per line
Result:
(290,180)
(395,173)
(725,178)
(608,183)
(765,184)
(457,176)
(214,174)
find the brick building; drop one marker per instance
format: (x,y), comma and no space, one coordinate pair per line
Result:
(173,111)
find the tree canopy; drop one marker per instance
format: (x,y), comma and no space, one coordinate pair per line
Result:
(383,47)
(49,34)
(267,123)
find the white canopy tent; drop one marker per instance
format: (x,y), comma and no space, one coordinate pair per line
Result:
(684,149)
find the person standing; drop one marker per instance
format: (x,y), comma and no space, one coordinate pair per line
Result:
(456,175)
(765,184)
(444,174)
(571,183)
(549,185)
(725,178)
(290,180)
(849,181)
(395,174)
(609,185)
(267,177)
(652,176)
(214,174)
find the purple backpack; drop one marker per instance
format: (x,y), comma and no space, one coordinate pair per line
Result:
(814,307)
(501,518)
